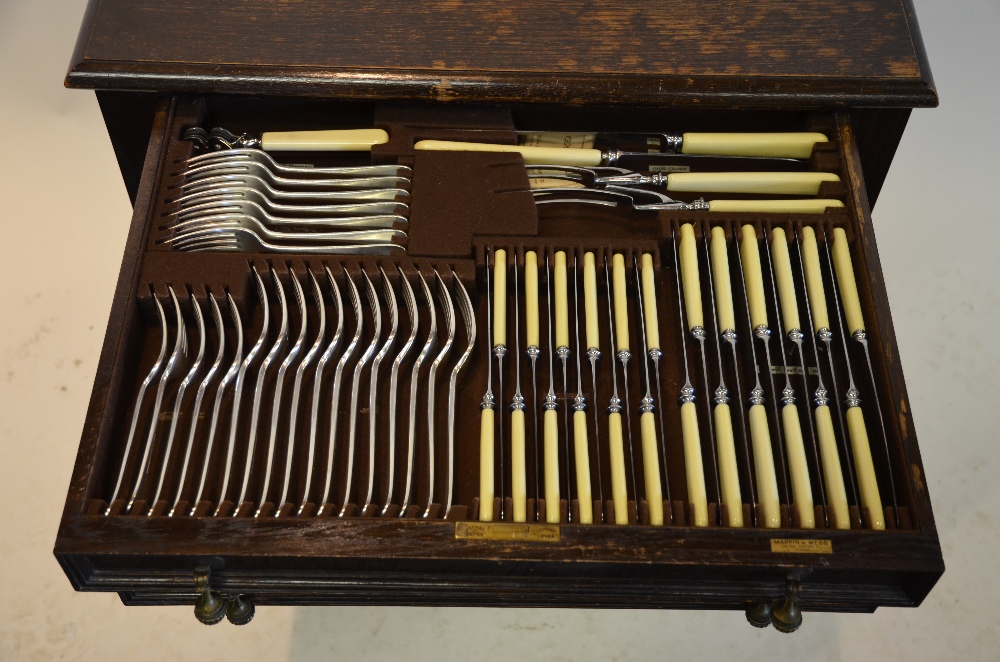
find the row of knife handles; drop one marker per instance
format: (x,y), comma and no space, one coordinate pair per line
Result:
(813,466)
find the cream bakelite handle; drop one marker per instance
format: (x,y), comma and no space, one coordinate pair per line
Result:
(621,302)
(865,467)
(581,449)
(550,431)
(535,183)
(499,297)
(779,183)
(804,206)
(531,298)
(763,459)
(814,279)
(651,468)
(337,140)
(792,145)
(590,300)
(783,276)
(562,140)
(562,300)
(649,303)
(729,479)
(752,276)
(616,449)
(486,487)
(518,478)
(798,467)
(531,155)
(833,475)
(845,278)
(723,284)
(690,277)
(693,465)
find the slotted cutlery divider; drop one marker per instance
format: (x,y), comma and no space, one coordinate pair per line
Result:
(225,498)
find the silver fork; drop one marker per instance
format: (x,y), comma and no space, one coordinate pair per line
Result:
(335,227)
(250,209)
(465,305)
(221,183)
(239,155)
(216,169)
(236,238)
(251,197)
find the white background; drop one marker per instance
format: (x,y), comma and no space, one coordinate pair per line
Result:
(64,218)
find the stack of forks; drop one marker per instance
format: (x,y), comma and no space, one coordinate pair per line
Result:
(244,200)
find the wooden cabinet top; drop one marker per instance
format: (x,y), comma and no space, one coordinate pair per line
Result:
(697,53)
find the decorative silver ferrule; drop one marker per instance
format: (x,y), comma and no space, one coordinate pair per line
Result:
(615,405)
(499,351)
(788,396)
(796,335)
(721,395)
(610,157)
(624,355)
(593,354)
(853,398)
(698,333)
(517,403)
(488,401)
(687,394)
(762,332)
(533,352)
(820,397)
(550,402)
(756,396)
(698,205)
(579,403)
(655,354)
(672,143)
(729,335)
(562,352)
(646,405)
(825,334)
(860,335)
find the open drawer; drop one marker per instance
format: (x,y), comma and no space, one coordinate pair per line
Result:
(303,427)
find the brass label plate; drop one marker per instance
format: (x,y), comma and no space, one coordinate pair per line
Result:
(801,546)
(496,531)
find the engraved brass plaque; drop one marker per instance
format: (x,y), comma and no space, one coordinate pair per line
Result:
(801,546)
(496,531)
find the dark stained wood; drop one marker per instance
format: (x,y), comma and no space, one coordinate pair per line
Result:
(717,52)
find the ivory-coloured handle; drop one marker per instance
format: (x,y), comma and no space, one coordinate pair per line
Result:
(621,302)
(531,155)
(814,279)
(791,145)
(563,140)
(845,278)
(535,183)
(798,467)
(590,300)
(550,422)
(729,478)
(779,183)
(723,284)
(518,477)
(694,468)
(486,480)
(562,300)
(581,451)
(531,298)
(763,460)
(651,468)
(833,475)
(753,277)
(803,206)
(690,277)
(783,276)
(864,467)
(337,140)
(649,303)
(616,449)
(499,297)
